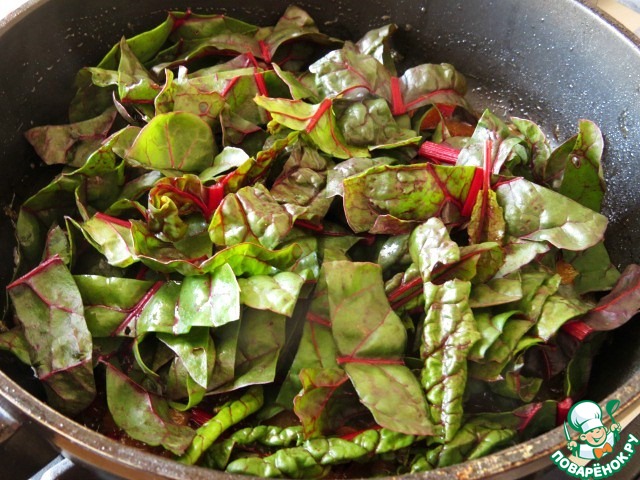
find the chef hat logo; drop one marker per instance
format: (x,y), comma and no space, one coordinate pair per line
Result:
(585,416)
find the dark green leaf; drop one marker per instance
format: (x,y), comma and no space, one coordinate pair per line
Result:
(143,415)
(49,308)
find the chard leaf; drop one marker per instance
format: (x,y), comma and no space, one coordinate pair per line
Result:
(583,179)
(250,215)
(228,159)
(317,121)
(535,213)
(376,44)
(507,148)
(278,293)
(519,252)
(71,144)
(252,259)
(226,345)
(154,312)
(255,169)
(317,349)
(349,72)
(143,415)
(347,168)
(176,141)
(90,100)
(183,94)
(477,437)
(557,310)
(539,147)
(619,305)
(487,222)
(409,193)
(372,347)
(595,272)
(297,88)
(369,123)
(260,340)
(432,83)
(111,237)
(430,246)
(196,351)
(49,309)
(210,300)
(134,83)
(496,292)
(449,334)
(294,25)
(300,187)
(15,342)
(180,385)
(109,300)
(324,403)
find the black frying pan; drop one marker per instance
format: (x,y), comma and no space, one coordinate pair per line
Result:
(554,61)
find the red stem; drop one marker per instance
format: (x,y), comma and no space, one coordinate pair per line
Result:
(138,307)
(474,190)
(439,151)
(562,410)
(108,218)
(43,266)
(404,288)
(264,50)
(397,103)
(577,329)
(315,318)
(324,106)
(229,86)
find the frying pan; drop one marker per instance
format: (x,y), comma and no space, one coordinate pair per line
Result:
(553,61)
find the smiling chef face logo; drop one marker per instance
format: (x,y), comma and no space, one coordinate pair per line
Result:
(596,440)
(592,452)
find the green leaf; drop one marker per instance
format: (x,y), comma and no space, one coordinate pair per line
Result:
(535,213)
(351,73)
(90,100)
(372,347)
(507,148)
(15,342)
(112,238)
(300,187)
(369,123)
(595,272)
(209,300)
(409,193)
(182,94)
(134,83)
(49,309)
(250,215)
(376,43)
(71,144)
(108,301)
(196,350)
(432,83)
(318,121)
(431,246)
(449,333)
(176,141)
(143,415)
(278,293)
(324,403)
(583,179)
(230,414)
(557,310)
(261,338)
